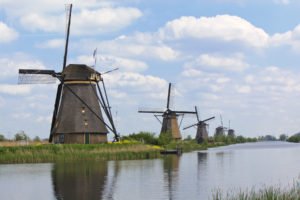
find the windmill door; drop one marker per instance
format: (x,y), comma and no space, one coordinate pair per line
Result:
(87,138)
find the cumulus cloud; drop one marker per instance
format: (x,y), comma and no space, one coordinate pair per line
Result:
(222,27)
(133,47)
(106,62)
(138,81)
(7,34)
(54,43)
(15,89)
(44,118)
(244,89)
(90,22)
(286,2)
(21,115)
(9,66)
(218,63)
(291,38)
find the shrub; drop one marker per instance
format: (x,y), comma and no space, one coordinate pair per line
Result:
(145,137)
(164,139)
(21,136)
(36,139)
(294,138)
(2,138)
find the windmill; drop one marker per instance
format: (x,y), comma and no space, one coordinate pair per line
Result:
(220,130)
(230,131)
(77,116)
(169,124)
(202,132)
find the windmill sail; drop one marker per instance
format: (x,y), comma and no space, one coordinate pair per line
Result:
(36,76)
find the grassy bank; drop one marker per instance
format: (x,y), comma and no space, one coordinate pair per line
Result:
(135,146)
(72,152)
(266,193)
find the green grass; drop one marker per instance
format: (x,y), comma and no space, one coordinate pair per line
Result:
(265,193)
(72,152)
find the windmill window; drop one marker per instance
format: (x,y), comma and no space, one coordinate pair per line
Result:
(86,123)
(83,110)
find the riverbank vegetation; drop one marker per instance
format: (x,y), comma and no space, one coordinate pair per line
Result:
(295,139)
(70,152)
(142,145)
(265,193)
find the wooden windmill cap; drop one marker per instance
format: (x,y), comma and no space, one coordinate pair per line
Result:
(80,72)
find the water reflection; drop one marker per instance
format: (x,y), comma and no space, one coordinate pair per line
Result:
(171,168)
(84,180)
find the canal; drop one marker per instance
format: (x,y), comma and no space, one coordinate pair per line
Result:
(194,175)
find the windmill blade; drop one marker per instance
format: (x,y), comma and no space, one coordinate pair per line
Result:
(189,126)
(55,111)
(69,12)
(36,76)
(221,120)
(109,71)
(184,112)
(207,119)
(149,111)
(181,120)
(169,92)
(156,116)
(196,109)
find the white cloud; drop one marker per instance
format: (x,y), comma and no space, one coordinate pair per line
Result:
(89,22)
(218,62)
(286,2)
(138,81)
(109,62)
(54,43)
(117,94)
(223,27)
(15,89)
(131,46)
(209,96)
(7,34)
(44,118)
(291,38)
(191,73)
(244,89)
(21,115)
(10,67)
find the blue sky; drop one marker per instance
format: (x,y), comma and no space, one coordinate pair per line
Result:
(231,57)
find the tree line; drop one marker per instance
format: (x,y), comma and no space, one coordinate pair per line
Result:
(21,136)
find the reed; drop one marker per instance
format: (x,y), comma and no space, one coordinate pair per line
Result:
(265,193)
(71,152)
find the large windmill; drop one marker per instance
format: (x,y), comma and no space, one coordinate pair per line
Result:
(77,116)
(169,124)
(202,132)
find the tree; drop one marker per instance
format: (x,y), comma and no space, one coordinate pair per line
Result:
(21,135)
(2,138)
(283,137)
(36,139)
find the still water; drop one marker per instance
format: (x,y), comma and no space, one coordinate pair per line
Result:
(191,176)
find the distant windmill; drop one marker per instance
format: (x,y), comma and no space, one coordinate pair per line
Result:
(169,123)
(230,131)
(220,130)
(202,132)
(77,116)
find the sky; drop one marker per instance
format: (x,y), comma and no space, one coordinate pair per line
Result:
(234,58)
